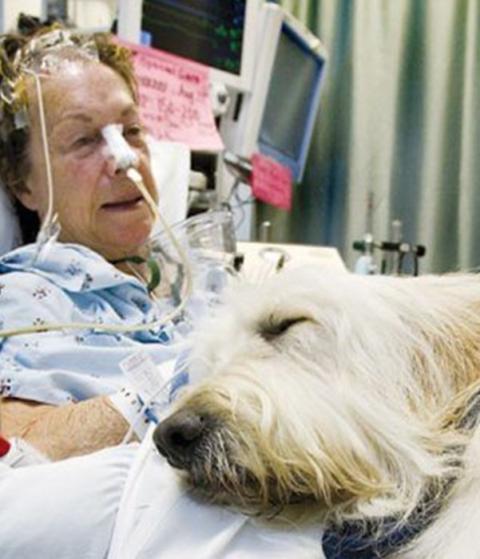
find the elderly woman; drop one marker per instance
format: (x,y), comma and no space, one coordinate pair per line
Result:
(63,388)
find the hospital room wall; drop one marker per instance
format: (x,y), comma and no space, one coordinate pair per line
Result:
(90,14)
(399,118)
(9,10)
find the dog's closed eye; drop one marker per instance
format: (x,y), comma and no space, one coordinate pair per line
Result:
(276,327)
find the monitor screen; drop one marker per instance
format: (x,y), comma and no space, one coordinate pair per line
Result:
(207,31)
(291,102)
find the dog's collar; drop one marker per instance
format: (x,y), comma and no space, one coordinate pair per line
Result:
(371,540)
(376,539)
(383,537)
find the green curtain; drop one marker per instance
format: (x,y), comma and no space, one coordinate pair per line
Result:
(399,124)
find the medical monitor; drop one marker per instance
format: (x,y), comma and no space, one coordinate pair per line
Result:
(278,116)
(292,101)
(218,34)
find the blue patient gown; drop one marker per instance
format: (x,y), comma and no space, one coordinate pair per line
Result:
(73,284)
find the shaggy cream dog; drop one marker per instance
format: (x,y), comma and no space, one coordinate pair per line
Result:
(352,397)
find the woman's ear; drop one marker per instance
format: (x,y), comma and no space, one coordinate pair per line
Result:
(26,195)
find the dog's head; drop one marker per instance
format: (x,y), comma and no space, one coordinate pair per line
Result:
(310,394)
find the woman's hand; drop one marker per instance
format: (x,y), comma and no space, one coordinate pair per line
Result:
(59,432)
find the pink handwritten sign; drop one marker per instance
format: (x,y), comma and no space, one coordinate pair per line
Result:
(271,181)
(174,99)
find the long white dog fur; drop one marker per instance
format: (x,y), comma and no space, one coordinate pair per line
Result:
(351,396)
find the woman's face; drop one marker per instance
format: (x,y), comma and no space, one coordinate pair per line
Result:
(97,205)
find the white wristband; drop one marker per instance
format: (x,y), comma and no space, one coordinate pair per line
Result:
(22,454)
(129,404)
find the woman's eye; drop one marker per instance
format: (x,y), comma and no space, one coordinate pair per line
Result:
(85,141)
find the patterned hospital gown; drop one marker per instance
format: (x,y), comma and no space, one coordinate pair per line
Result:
(73,284)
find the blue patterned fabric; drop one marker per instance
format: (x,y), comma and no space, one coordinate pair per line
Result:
(73,284)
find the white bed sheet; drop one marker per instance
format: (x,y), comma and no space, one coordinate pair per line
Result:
(158,519)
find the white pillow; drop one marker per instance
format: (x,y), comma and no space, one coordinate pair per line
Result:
(170,163)
(170,168)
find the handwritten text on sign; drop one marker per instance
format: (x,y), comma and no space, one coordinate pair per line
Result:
(174,99)
(271,181)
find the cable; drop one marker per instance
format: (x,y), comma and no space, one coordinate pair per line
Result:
(49,228)
(136,178)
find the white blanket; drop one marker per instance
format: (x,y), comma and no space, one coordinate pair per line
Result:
(126,503)
(158,519)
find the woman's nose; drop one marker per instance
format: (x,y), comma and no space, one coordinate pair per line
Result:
(112,166)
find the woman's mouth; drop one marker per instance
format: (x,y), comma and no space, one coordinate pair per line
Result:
(123,205)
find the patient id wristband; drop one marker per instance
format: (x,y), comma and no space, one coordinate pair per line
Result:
(151,381)
(148,390)
(131,406)
(16,453)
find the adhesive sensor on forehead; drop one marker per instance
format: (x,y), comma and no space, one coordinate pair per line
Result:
(118,147)
(56,50)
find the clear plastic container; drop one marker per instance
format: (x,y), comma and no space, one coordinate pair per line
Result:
(209,245)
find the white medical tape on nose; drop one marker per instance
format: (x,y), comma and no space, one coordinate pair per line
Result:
(119,149)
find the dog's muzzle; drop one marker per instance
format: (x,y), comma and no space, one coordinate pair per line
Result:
(180,436)
(206,450)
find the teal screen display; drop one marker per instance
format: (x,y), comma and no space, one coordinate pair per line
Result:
(207,31)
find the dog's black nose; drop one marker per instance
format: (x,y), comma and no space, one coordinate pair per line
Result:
(177,436)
